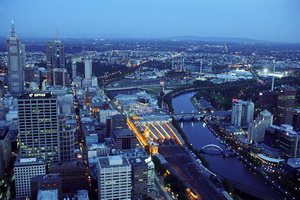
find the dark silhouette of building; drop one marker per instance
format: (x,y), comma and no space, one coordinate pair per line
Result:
(285,106)
(280,103)
(139,178)
(124,139)
(56,64)
(296,120)
(5,149)
(45,182)
(73,175)
(268,100)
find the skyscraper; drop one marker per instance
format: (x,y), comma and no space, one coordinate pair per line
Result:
(285,106)
(242,113)
(258,126)
(38,127)
(88,68)
(56,64)
(16,63)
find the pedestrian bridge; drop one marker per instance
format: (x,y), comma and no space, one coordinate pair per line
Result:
(212,149)
(191,116)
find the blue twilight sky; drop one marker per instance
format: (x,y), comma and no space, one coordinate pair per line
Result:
(273,20)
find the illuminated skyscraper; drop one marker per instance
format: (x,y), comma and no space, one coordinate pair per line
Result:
(39,127)
(16,63)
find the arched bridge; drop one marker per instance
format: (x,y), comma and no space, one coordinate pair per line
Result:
(212,149)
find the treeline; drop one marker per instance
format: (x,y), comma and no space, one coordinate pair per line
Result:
(170,180)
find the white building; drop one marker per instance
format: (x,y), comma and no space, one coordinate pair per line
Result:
(258,126)
(88,68)
(104,114)
(25,169)
(242,113)
(114,178)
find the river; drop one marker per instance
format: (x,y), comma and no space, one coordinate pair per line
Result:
(232,168)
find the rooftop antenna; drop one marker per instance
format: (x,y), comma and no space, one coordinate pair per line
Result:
(12,29)
(57,32)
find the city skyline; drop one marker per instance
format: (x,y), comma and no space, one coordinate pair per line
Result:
(257,20)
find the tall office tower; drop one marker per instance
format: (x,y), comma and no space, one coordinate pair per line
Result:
(74,70)
(25,169)
(242,113)
(16,63)
(67,141)
(38,127)
(285,106)
(114,178)
(88,66)
(268,100)
(5,149)
(296,120)
(56,63)
(258,126)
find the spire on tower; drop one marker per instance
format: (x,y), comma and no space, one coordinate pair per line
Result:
(57,33)
(12,29)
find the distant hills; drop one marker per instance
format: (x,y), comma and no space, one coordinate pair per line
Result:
(216,39)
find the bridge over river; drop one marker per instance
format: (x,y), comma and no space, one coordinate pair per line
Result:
(214,149)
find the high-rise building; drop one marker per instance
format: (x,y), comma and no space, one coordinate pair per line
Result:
(268,100)
(258,126)
(285,106)
(56,63)
(39,127)
(296,120)
(25,169)
(67,141)
(283,138)
(5,149)
(242,113)
(16,58)
(114,178)
(88,68)
(74,70)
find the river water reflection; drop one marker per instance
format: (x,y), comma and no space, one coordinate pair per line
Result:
(232,168)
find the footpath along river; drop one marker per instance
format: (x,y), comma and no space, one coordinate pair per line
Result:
(232,168)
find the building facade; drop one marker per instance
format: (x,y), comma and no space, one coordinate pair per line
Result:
(25,169)
(257,128)
(285,106)
(39,127)
(88,66)
(114,178)
(16,58)
(56,63)
(242,113)
(5,149)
